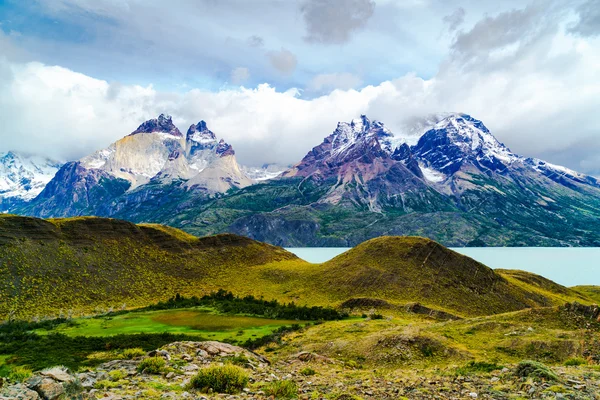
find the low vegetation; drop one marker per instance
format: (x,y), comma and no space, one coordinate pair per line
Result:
(228,378)
(282,389)
(536,370)
(152,365)
(227,303)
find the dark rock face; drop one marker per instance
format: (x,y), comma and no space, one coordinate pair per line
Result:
(224,149)
(200,127)
(404,154)
(76,190)
(164,123)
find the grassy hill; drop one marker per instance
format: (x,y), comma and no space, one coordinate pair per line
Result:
(80,265)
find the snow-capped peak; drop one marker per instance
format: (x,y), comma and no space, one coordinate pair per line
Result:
(472,136)
(201,134)
(23,177)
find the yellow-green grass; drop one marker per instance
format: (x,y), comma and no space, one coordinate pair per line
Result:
(591,292)
(86,265)
(550,335)
(204,323)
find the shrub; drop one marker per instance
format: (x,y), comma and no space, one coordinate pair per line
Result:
(73,389)
(228,379)
(308,371)
(152,365)
(473,367)
(377,316)
(117,374)
(133,353)
(19,373)
(106,384)
(281,389)
(238,359)
(575,362)
(534,369)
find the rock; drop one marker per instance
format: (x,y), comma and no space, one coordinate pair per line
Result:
(473,395)
(170,375)
(307,356)
(160,353)
(87,381)
(49,389)
(18,392)
(58,374)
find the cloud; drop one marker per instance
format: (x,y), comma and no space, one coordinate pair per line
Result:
(255,41)
(283,61)
(494,34)
(332,21)
(456,19)
(240,75)
(327,82)
(533,83)
(589,19)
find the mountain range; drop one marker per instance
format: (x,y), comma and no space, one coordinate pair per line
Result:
(23,177)
(456,184)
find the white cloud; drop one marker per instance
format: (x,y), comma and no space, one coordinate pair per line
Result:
(328,82)
(240,75)
(537,89)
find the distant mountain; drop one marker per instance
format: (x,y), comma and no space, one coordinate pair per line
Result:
(456,184)
(23,177)
(446,177)
(155,155)
(265,172)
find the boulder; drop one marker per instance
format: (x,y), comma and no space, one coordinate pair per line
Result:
(18,392)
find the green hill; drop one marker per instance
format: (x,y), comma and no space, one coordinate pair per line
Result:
(81,265)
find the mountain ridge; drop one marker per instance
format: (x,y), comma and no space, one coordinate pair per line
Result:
(457,184)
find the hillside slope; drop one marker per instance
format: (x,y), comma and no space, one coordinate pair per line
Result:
(84,263)
(80,265)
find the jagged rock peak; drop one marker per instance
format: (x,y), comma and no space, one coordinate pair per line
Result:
(163,124)
(200,133)
(224,149)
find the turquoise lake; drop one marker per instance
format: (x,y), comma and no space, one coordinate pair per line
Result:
(565,265)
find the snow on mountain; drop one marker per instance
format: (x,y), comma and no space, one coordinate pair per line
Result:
(24,176)
(265,172)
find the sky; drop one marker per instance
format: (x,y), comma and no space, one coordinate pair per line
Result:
(273,77)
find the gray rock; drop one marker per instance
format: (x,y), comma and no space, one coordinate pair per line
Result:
(49,389)
(18,392)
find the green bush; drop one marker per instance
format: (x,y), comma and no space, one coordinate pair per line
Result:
(19,374)
(474,367)
(534,369)
(152,365)
(228,379)
(308,371)
(106,384)
(117,374)
(575,362)
(133,353)
(281,389)
(73,389)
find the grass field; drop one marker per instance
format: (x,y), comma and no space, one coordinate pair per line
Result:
(203,322)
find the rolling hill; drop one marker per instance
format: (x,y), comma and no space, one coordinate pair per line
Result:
(85,265)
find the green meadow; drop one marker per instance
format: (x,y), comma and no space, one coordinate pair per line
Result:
(203,322)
